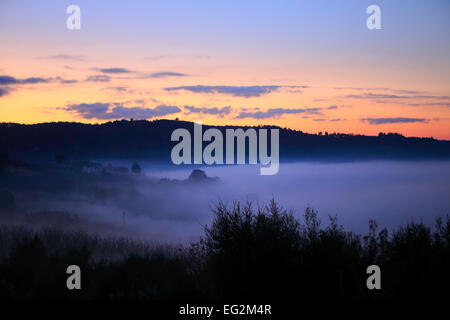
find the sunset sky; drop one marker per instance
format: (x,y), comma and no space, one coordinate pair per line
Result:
(307,65)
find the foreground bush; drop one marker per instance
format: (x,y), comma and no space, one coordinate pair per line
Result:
(247,252)
(266,252)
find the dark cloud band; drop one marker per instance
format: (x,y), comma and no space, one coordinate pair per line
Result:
(113,70)
(276,112)
(110,111)
(236,91)
(378,121)
(213,111)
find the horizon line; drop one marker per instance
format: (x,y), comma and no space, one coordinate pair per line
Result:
(232,126)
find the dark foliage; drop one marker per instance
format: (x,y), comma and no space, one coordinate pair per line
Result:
(252,253)
(150,140)
(268,253)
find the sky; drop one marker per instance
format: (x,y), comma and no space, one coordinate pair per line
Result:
(308,65)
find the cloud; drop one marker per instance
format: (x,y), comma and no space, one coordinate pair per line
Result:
(295,91)
(110,111)
(337,120)
(118,88)
(277,112)
(156,75)
(377,121)
(213,111)
(63,81)
(370,95)
(98,78)
(4,91)
(158,57)
(236,91)
(380,89)
(332,107)
(443,104)
(8,80)
(89,110)
(65,57)
(166,74)
(113,70)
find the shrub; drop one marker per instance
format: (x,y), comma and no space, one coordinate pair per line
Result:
(252,253)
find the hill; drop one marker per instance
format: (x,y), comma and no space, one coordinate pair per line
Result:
(150,140)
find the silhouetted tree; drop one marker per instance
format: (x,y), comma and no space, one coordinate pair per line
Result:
(141,138)
(248,252)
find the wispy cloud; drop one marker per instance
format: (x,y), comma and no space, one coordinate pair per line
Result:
(236,91)
(426,104)
(110,111)
(9,80)
(98,78)
(377,121)
(4,91)
(158,57)
(166,74)
(65,57)
(276,112)
(370,95)
(155,75)
(113,70)
(140,75)
(10,83)
(402,91)
(337,120)
(212,111)
(118,88)
(63,81)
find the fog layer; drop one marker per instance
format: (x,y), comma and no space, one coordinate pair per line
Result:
(163,204)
